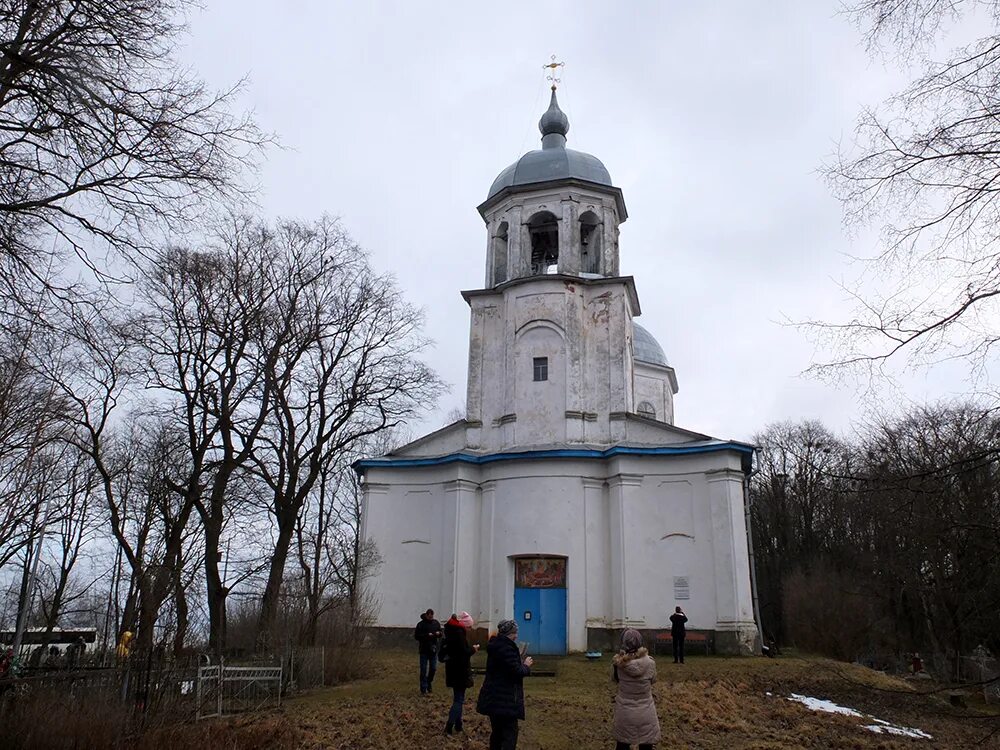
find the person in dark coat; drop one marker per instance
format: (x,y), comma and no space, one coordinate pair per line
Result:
(458,667)
(677,633)
(427,634)
(502,695)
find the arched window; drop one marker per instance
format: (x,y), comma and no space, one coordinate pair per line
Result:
(544,231)
(646,409)
(590,243)
(500,254)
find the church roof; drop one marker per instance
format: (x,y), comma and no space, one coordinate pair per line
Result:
(647,348)
(710,445)
(553,161)
(644,437)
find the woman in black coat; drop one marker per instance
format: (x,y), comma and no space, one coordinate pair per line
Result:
(457,666)
(502,695)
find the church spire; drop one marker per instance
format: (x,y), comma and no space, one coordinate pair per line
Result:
(554,125)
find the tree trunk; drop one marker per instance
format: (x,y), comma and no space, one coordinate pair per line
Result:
(129,613)
(272,591)
(215,589)
(153,592)
(180,602)
(309,633)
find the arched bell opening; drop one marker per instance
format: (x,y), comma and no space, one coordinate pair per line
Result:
(543,229)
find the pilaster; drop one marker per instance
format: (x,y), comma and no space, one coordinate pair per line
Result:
(609,261)
(569,238)
(597,541)
(488,609)
(515,246)
(474,388)
(523,264)
(622,491)
(460,556)
(369,490)
(733,602)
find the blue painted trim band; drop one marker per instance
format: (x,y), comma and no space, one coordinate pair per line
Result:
(617,450)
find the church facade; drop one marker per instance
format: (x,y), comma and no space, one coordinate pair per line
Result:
(567,498)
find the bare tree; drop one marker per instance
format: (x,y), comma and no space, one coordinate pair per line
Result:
(28,424)
(349,371)
(137,460)
(792,509)
(105,141)
(896,534)
(74,529)
(334,558)
(926,168)
(209,337)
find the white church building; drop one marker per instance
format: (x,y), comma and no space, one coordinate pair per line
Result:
(566,499)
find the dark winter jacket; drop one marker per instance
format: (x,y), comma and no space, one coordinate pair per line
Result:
(502,694)
(426,635)
(457,668)
(677,621)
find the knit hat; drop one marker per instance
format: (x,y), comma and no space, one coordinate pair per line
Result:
(506,627)
(466,621)
(631,641)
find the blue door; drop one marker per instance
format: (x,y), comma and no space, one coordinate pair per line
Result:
(526,615)
(541,619)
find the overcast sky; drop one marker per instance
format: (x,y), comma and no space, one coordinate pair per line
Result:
(713,118)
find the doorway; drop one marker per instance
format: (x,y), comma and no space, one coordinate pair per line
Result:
(540,603)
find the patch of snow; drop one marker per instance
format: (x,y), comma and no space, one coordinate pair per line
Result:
(818,704)
(884,727)
(881,726)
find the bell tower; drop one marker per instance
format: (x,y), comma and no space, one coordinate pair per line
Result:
(550,356)
(534,229)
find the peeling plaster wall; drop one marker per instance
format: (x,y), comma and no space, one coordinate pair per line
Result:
(579,326)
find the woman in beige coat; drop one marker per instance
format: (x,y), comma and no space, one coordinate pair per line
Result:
(636,722)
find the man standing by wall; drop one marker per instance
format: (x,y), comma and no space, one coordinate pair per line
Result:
(427,633)
(677,633)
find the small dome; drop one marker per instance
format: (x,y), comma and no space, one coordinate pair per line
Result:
(647,348)
(553,161)
(554,121)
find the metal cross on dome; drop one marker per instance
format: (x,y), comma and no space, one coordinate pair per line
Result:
(553,68)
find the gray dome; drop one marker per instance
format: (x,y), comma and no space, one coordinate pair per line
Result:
(553,161)
(551,164)
(648,349)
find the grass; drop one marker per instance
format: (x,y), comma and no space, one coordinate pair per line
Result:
(707,703)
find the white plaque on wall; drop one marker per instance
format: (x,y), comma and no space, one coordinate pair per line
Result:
(682,590)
